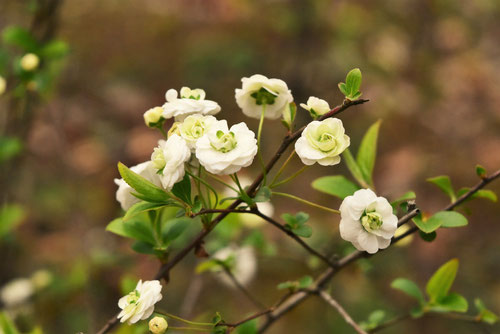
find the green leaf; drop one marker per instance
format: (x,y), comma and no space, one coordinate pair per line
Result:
(249,327)
(7,325)
(145,188)
(182,189)
(353,167)
(305,282)
(406,197)
(9,148)
(444,183)
(336,185)
(442,280)
(451,303)
(450,219)
(374,320)
(304,231)
(127,284)
(55,49)
(484,314)
(353,81)
(134,229)
(429,237)
(20,37)
(11,215)
(408,287)
(481,193)
(368,151)
(143,247)
(480,171)
(207,266)
(428,226)
(263,195)
(141,207)
(174,228)
(292,285)
(343,89)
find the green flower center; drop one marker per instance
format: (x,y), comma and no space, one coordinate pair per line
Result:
(263,96)
(133,297)
(225,142)
(371,221)
(158,159)
(198,129)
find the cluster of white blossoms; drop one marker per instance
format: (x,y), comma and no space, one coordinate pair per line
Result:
(140,303)
(367,221)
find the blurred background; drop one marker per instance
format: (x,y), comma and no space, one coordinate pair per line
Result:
(431,70)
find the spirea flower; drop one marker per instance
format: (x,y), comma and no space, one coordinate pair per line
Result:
(16,292)
(153,116)
(322,142)
(29,62)
(191,101)
(258,91)
(158,325)
(3,85)
(225,151)
(124,193)
(316,106)
(140,303)
(367,221)
(241,261)
(194,127)
(168,160)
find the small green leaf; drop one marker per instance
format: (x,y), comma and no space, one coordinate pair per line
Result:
(484,314)
(406,197)
(408,287)
(305,282)
(9,148)
(134,229)
(249,327)
(20,37)
(429,237)
(441,281)
(141,207)
(291,285)
(368,151)
(145,188)
(263,195)
(480,171)
(55,49)
(444,183)
(143,247)
(217,318)
(353,80)
(417,312)
(427,226)
(11,215)
(481,193)
(6,325)
(374,320)
(301,217)
(304,231)
(451,303)
(336,185)
(353,167)
(182,189)
(174,228)
(450,219)
(343,89)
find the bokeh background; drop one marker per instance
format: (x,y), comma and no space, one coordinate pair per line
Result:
(431,70)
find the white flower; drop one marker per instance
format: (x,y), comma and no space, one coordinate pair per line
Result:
(316,106)
(153,116)
(158,325)
(29,62)
(254,221)
(16,292)
(225,151)
(257,91)
(3,85)
(190,102)
(194,127)
(322,142)
(169,158)
(367,221)
(124,193)
(140,303)
(242,264)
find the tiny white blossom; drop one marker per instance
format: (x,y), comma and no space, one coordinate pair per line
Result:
(225,151)
(3,85)
(153,116)
(316,106)
(158,325)
(322,142)
(16,292)
(140,303)
(242,264)
(124,193)
(367,221)
(258,91)
(29,62)
(168,160)
(191,101)
(194,127)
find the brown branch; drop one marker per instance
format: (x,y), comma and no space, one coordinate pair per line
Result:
(244,290)
(295,299)
(333,303)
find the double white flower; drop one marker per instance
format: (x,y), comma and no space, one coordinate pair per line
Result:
(258,91)
(322,142)
(169,158)
(225,151)
(367,221)
(124,193)
(140,303)
(194,127)
(192,101)
(316,107)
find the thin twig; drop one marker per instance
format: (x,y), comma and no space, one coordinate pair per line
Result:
(333,303)
(244,290)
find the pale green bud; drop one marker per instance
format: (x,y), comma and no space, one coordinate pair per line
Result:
(289,116)
(153,116)
(158,325)
(158,158)
(195,94)
(30,62)
(316,107)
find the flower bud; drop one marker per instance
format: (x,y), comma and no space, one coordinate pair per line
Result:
(316,107)
(158,325)
(153,116)
(3,85)
(289,116)
(30,62)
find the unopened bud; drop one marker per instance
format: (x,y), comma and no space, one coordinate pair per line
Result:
(30,62)
(153,116)
(3,85)
(158,325)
